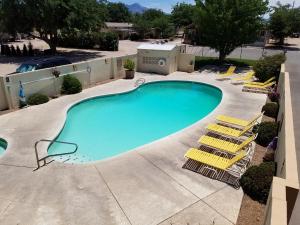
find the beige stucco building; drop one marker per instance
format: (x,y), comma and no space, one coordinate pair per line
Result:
(164,59)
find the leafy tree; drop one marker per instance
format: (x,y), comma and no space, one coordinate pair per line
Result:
(12,16)
(284,20)
(141,26)
(118,12)
(151,14)
(182,14)
(44,18)
(163,27)
(226,24)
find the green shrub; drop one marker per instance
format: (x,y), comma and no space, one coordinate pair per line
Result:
(109,42)
(129,64)
(266,132)
(135,37)
(71,85)
(37,99)
(257,180)
(268,66)
(274,96)
(88,40)
(271,109)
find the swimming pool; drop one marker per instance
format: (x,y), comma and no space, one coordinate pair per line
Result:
(110,125)
(3,146)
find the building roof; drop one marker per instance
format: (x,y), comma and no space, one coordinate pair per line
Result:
(162,47)
(118,25)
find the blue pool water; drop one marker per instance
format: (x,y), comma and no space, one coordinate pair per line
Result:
(110,125)
(3,145)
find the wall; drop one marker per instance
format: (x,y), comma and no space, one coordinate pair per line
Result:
(186,63)
(42,81)
(285,186)
(3,101)
(154,67)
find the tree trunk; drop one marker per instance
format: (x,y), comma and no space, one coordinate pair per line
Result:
(52,47)
(281,40)
(53,43)
(222,56)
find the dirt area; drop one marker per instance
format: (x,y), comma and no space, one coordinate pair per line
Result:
(252,212)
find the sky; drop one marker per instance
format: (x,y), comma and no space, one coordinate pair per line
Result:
(166,5)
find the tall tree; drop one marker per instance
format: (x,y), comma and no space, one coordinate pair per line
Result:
(163,27)
(151,14)
(226,24)
(44,18)
(118,12)
(284,20)
(141,26)
(182,14)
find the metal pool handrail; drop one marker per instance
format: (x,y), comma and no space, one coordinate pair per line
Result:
(38,160)
(139,82)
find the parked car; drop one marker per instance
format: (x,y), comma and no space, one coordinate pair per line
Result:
(39,64)
(296,35)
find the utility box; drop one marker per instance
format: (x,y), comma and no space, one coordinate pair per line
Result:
(158,58)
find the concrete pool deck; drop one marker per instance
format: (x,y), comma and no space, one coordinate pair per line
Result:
(141,187)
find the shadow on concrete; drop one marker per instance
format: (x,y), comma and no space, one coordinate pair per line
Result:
(288,47)
(73,55)
(78,55)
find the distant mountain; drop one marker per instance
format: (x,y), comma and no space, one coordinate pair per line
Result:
(136,8)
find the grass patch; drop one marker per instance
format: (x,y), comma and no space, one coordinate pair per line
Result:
(204,61)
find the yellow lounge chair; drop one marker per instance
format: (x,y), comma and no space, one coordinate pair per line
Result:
(253,86)
(261,83)
(237,122)
(230,72)
(228,131)
(225,146)
(213,160)
(248,77)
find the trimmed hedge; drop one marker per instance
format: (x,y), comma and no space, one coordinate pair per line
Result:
(256,181)
(37,99)
(103,41)
(271,109)
(201,61)
(71,85)
(268,66)
(266,132)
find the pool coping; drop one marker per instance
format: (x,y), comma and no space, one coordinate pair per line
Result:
(46,147)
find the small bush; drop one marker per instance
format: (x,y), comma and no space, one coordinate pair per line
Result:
(274,96)
(271,109)
(7,50)
(25,50)
(71,85)
(37,99)
(135,37)
(30,49)
(257,180)
(13,50)
(266,132)
(19,53)
(88,40)
(2,50)
(129,64)
(268,66)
